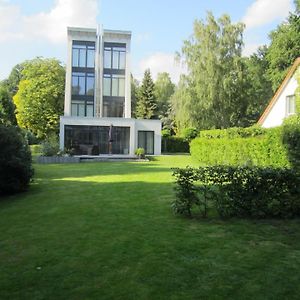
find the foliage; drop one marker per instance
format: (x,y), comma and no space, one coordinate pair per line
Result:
(211,95)
(134,95)
(258,87)
(291,139)
(175,144)
(165,133)
(40,97)
(50,147)
(284,49)
(7,108)
(30,137)
(146,102)
(239,191)
(163,90)
(140,152)
(15,161)
(240,146)
(189,133)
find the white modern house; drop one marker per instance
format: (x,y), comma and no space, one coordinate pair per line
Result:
(97,114)
(283,103)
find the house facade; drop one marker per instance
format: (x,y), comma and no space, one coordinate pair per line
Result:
(283,103)
(97,112)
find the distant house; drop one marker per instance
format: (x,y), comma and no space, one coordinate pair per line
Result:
(97,114)
(283,103)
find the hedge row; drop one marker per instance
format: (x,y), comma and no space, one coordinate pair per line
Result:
(238,191)
(241,146)
(174,144)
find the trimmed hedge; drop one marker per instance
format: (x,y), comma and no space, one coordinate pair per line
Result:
(15,161)
(241,146)
(174,144)
(238,191)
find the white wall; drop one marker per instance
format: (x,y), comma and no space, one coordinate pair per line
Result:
(135,125)
(278,112)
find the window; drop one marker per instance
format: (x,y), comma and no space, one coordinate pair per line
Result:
(113,108)
(290,105)
(83,54)
(115,57)
(146,141)
(83,83)
(82,108)
(114,85)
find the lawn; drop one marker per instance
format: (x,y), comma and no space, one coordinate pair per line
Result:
(106,231)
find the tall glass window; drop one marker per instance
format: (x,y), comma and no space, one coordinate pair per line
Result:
(146,141)
(114,57)
(83,54)
(114,85)
(83,83)
(290,105)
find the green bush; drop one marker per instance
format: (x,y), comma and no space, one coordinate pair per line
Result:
(241,146)
(189,134)
(15,161)
(50,147)
(140,152)
(174,144)
(238,191)
(291,139)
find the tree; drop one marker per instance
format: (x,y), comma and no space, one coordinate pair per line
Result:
(164,89)
(213,88)
(146,104)
(40,98)
(284,48)
(7,107)
(134,94)
(258,86)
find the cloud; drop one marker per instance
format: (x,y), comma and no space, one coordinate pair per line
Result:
(160,62)
(262,12)
(250,48)
(50,25)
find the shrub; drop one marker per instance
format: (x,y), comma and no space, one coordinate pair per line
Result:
(140,152)
(50,147)
(291,139)
(15,161)
(189,134)
(240,146)
(174,144)
(239,191)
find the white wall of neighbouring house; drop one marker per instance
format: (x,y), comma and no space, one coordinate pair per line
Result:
(278,113)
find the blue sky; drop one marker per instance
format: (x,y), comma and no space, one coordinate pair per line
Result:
(30,28)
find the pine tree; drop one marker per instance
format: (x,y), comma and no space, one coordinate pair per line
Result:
(146,103)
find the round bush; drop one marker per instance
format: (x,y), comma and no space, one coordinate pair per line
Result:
(15,161)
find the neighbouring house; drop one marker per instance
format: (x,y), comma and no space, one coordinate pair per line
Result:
(97,114)
(283,103)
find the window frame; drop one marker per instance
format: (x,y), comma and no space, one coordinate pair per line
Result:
(288,105)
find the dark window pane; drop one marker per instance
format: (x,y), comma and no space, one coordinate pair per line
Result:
(107,59)
(115,60)
(122,61)
(81,82)
(90,85)
(75,57)
(90,58)
(146,141)
(82,58)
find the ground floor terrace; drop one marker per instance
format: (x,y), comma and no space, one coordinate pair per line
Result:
(109,136)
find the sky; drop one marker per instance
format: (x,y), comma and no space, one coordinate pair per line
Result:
(31,28)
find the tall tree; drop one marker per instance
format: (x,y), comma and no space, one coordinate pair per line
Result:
(134,94)
(40,97)
(258,86)
(216,74)
(146,104)
(7,108)
(164,89)
(284,48)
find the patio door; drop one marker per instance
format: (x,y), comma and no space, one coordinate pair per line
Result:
(146,141)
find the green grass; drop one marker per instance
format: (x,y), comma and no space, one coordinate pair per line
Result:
(106,231)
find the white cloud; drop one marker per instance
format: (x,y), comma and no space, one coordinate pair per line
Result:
(158,63)
(50,25)
(262,12)
(250,49)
